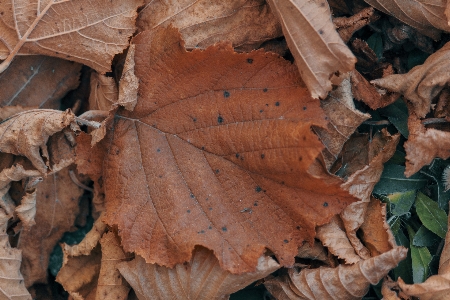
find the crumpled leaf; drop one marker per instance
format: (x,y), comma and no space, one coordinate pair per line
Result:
(103,93)
(57,207)
(9,111)
(426,16)
(344,119)
(346,26)
(27,134)
(317,48)
(436,287)
(343,282)
(11,280)
(315,252)
(423,145)
(423,82)
(200,278)
(223,157)
(39,81)
(95,33)
(244,23)
(111,284)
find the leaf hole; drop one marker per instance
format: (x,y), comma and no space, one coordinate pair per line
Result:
(250,60)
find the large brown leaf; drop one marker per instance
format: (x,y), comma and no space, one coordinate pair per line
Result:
(343,282)
(426,16)
(200,279)
(202,23)
(218,144)
(318,49)
(80,30)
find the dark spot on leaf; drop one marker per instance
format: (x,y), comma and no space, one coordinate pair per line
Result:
(255,204)
(298,227)
(117,151)
(201,231)
(192,196)
(320,31)
(160,176)
(219,119)
(282,182)
(267,104)
(237,155)
(264,90)
(194,119)
(158,150)
(300,158)
(188,211)
(262,156)
(203,147)
(226,94)
(210,208)
(304,107)
(277,103)
(325,204)
(210,227)
(217,171)
(286,241)
(304,138)
(224,228)
(260,110)
(249,60)
(207,199)
(258,189)
(120,31)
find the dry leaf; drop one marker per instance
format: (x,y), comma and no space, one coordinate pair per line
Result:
(27,134)
(83,31)
(39,81)
(90,240)
(204,23)
(111,284)
(207,157)
(57,207)
(423,145)
(315,252)
(422,83)
(103,93)
(346,26)
(201,278)
(343,282)
(386,289)
(11,280)
(129,83)
(318,50)
(9,111)
(344,119)
(426,16)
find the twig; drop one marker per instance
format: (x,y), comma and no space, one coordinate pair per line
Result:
(78,183)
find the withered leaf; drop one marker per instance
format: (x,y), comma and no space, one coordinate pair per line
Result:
(426,16)
(207,156)
(245,23)
(422,83)
(83,31)
(56,210)
(11,280)
(39,81)
(200,279)
(343,282)
(27,133)
(317,48)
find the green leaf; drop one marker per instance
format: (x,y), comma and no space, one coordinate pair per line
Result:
(425,238)
(375,42)
(420,258)
(393,180)
(395,223)
(404,268)
(397,114)
(432,217)
(402,202)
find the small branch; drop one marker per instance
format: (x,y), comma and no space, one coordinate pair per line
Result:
(94,124)
(434,121)
(377,123)
(78,183)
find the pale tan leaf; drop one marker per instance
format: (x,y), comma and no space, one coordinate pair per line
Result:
(26,211)
(87,32)
(27,134)
(422,83)
(56,210)
(343,282)
(103,93)
(129,83)
(205,22)
(201,278)
(314,252)
(111,284)
(333,236)
(426,16)
(317,48)
(11,280)
(344,119)
(39,81)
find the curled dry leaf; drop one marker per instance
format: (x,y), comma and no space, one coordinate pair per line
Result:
(436,287)
(95,33)
(11,280)
(39,81)
(423,145)
(318,49)
(27,134)
(56,210)
(422,83)
(111,284)
(386,289)
(203,23)
(347,26)
(343,282)
(103,93)
(207,157)
(201,278)
(426,16)
(314,252)
(344,119)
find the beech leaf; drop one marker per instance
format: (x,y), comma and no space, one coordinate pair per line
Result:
(208,156)
(317,48)
(343,282)
(201,278)
(87,32)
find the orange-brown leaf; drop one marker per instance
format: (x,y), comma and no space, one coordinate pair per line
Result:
(218,143)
